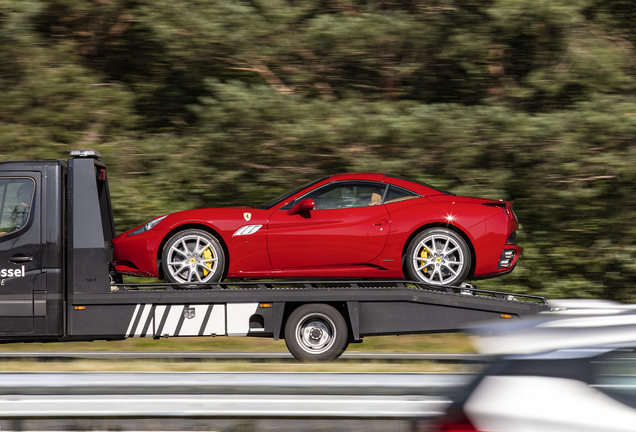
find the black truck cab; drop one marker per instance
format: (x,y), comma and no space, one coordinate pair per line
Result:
(45,206)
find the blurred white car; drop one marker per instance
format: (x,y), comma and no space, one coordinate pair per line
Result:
(572,371)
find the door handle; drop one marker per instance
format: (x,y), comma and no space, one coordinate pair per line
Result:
(20,259)
(382,222)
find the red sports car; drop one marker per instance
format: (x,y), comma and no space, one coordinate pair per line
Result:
(342,226)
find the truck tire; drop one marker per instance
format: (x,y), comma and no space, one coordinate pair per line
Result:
(438,256)
(193,256)
(316,332)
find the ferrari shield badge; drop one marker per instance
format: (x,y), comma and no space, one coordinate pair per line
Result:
(247,216)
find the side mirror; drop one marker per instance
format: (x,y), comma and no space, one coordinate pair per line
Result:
(302,206)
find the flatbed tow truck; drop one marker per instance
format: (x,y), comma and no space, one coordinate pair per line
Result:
(56,282)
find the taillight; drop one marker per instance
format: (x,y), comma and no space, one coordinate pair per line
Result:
(455,420)
(506,206)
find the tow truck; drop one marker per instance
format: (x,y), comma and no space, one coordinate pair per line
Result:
(57,282)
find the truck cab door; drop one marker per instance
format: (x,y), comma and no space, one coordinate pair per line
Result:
(20,249)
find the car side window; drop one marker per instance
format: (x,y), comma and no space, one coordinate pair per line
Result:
(397,193)
(16,198)
(346,194)
(614,374)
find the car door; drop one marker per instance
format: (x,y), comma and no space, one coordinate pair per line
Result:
(20,249)
(347,225)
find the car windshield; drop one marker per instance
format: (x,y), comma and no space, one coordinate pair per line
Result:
(271,203)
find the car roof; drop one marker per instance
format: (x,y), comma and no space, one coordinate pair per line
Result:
(420,188)
(358,176)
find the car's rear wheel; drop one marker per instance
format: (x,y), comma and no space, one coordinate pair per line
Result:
(438,256)
(193,256)
(316,332)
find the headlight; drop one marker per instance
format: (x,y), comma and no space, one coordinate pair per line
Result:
(145,227)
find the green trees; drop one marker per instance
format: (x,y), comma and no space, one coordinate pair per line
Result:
(214,103)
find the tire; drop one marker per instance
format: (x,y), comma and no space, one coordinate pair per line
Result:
(438,256)
(193,256)
(316,332)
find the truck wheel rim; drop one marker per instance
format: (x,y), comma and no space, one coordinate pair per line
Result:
(438,259)
(192,258)
(316,333)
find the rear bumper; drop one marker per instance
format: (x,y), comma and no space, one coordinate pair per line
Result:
(503,270)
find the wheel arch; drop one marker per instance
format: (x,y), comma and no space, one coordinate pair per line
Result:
(460,232)
(185,227)
(290,307)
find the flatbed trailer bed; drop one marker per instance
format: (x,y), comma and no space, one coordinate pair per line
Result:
(261,309)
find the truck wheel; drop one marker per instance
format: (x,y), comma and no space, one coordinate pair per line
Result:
(438,256)
(316,332)
(193,256)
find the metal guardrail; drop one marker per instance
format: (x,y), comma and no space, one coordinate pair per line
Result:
(207,406)
(226,395)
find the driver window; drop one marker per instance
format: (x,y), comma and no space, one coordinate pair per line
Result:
(348,195)
(16,197)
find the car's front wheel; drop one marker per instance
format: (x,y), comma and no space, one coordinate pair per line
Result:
(438,256)
(193,256)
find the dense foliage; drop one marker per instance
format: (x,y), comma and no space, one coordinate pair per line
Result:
(215,103)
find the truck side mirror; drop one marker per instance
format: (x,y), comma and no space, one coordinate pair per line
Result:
(302,206)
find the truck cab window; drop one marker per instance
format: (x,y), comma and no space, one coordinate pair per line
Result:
(16,198)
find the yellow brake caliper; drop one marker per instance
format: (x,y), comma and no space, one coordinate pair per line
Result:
(207,254)
(424,254)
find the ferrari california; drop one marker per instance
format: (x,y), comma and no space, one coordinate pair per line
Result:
(342,226)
